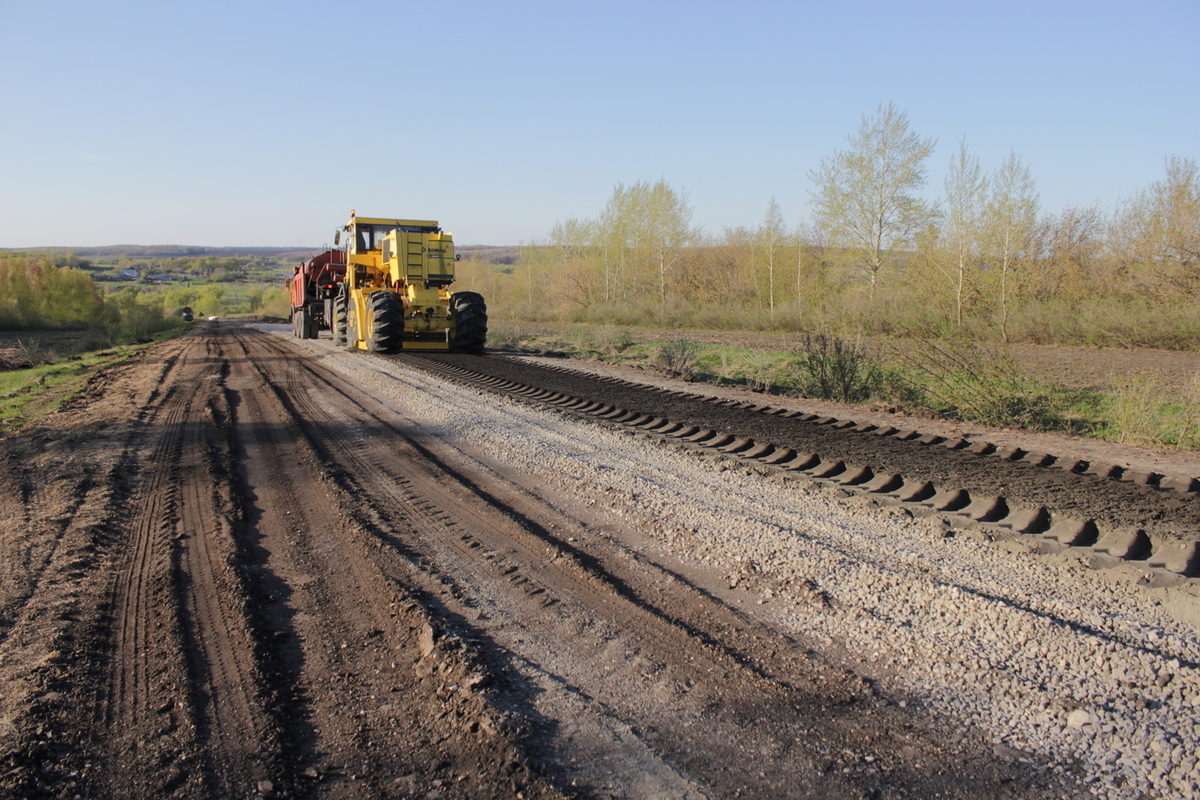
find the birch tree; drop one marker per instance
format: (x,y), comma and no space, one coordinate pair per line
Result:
(769,242)
(616,236)
(965,187)
(866,195)
(1010,218)
(666,228)
(641,234)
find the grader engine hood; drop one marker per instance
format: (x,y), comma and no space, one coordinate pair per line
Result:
(419,259)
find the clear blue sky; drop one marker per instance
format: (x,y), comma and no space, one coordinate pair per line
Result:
(262,123)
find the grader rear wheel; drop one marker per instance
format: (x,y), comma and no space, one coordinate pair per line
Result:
(470,322)
(341,318)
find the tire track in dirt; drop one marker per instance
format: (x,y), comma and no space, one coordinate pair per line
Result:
(29,543)
(146,617)
(33,525)
(182,704)
(50,662)
(726,699)
(342,638)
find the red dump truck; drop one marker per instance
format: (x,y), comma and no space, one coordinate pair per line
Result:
(313,287)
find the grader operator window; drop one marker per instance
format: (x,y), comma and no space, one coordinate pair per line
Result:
(369,237)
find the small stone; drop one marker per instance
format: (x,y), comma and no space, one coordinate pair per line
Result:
(1005,753)
(1078,718)
(266,787)
(427,640)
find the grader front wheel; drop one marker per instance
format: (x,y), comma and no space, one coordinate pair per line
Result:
(387,323)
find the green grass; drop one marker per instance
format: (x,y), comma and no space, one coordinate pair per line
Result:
(27,395)
(47,344)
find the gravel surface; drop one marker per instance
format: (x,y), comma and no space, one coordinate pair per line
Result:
(1052,659)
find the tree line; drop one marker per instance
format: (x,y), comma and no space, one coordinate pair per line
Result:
(36,293)
(876,256)
(215,268)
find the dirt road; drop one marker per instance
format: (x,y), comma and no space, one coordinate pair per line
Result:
(252,566)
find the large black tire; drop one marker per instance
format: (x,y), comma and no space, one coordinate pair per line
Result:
(296,322)
(387,323)
(311,329)
(470,322)
(341,318)
(305,327)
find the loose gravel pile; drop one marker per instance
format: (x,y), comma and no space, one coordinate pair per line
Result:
(1056,662)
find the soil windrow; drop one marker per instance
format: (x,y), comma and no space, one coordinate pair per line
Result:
(1170,514)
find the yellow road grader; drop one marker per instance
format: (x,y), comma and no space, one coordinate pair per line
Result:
(383,288)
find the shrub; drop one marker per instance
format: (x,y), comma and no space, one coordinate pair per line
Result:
(835,369)
(678,358)
(968,381)
(611,340)
(1136,414)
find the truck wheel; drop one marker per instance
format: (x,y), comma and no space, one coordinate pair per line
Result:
(387,323)
(341,318)
(470,322)
(352,329)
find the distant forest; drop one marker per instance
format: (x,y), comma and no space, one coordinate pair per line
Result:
(130,298)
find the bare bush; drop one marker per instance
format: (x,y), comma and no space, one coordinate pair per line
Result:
(24,355)
(678,358)
(835,369)
(973,382)
(613,340)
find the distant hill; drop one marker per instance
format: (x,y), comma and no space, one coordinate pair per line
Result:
(489,254)
(116,251)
